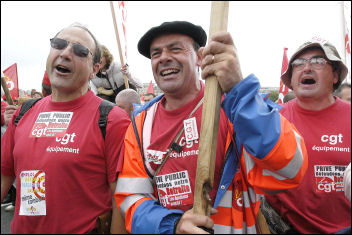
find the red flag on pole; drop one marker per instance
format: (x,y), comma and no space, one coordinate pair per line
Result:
(150,88)
(283,89)
(346,13)
(11,79)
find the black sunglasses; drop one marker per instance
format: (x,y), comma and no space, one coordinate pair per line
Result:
(78,49)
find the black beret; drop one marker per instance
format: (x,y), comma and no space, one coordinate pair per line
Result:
(182,27)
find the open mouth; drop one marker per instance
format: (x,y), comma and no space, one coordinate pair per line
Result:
(62,69)
(169,72)
(308,81)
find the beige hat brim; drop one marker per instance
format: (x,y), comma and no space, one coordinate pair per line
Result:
(329,53)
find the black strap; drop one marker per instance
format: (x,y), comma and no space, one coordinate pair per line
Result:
(104,110)
(105,75)
(137,135)
(27,105)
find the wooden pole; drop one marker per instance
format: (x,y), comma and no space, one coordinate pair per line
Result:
(6,90)
(210,121)
(125,78)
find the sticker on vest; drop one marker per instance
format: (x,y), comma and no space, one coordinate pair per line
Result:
(154,156)
(190,127)
(174,189)
(329,178)
(32,193)
(51,124)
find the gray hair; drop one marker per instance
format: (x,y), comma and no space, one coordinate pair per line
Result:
(97,52)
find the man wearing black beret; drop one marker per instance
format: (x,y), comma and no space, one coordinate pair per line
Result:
(156,186)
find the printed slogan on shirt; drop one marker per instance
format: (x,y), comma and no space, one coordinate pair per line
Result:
(51,124)
(174,189)
(329,178)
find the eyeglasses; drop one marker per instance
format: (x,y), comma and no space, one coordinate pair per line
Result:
(315,63)
(78,49)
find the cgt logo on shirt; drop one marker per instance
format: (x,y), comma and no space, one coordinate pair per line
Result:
(67,138)
(329,178)
(332,139)
(154,156)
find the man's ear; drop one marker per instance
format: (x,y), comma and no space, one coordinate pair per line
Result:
(336,76)
(96,68)
(199,56)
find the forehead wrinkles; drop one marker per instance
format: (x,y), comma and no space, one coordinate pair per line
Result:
(77,35)
(169,40)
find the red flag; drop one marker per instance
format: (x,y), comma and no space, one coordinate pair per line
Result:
(347,37)
(150,88)
(11,79)
(283,89)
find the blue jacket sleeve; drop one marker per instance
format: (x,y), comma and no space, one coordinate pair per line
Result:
(256,121)
(160,220)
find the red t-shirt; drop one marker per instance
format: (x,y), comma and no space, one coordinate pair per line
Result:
(62,165)
(318,204)
(176,180)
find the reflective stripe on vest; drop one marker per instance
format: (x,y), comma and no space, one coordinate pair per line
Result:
(134,185)
(129,201)
(226,200)
(292,168)
(221,229)
(223,225)
(287,172)
(147,132)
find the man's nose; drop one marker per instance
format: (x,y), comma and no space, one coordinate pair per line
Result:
(67,52)
(165,55)
(307,66)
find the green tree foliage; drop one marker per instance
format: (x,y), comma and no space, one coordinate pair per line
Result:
(274,95)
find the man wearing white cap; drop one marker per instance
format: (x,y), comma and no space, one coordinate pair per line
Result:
(318,204)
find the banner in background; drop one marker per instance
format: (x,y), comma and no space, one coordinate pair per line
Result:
(150,88)
(283,89)
(347,36)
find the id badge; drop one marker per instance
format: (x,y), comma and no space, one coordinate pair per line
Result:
(191,130)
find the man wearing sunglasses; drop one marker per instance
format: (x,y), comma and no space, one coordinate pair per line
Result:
(65,168)
(318,204)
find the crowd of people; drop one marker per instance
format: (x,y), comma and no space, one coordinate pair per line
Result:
(97,160)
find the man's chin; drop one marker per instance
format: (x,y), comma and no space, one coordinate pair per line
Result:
(306,93)
(170,87)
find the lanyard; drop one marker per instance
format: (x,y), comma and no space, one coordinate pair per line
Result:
(174,146)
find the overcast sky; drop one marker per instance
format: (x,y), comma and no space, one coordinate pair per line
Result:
(260,31)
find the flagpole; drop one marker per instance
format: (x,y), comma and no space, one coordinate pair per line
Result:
(6,90)
(210,121)
(118,43)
